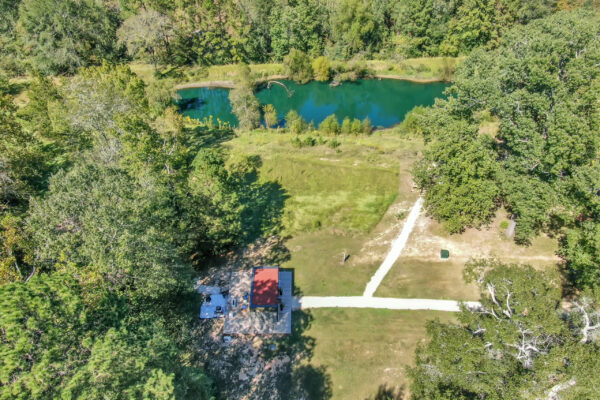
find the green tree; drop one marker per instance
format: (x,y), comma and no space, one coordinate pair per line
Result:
(356,127)
(301,25)
(330,125)
(580,246)
(297,66)
(44,323)
(60,341)
(147,34)
(515,345)
(271,118)
(295,123)
(58,36)
(472,26)
(321,68)
(244,104)
(540,163)
(367,128)
(459,175)
(354,28)
(92,216)
(217,205)
(15,257)
(346,128)
(137,360)
(22,159)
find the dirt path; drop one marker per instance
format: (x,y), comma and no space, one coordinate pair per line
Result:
(380,302)
(367,300)
(395,251)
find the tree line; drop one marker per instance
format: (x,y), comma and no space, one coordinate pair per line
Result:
(56,36)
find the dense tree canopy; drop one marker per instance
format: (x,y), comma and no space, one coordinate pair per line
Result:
(517,345)
(57,343)
(58,37)
(53,36)
(111,201)
(540,91)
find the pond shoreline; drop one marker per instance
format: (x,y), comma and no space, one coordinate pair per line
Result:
(384,102)
(231,84)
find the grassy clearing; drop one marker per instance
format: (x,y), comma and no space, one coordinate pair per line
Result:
(363,349)
(338,200)
(425,68)
(318,268)
(346,190)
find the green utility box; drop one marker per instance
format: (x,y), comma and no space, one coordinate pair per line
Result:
(444,254)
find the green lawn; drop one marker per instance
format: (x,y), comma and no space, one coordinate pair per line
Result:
(414,278)
(317,262)
(363,349)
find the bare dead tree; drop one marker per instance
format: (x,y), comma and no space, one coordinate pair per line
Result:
(591,318)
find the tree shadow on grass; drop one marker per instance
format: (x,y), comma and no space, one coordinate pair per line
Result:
(263,202)
(302,379)
(385,392)
(207,137)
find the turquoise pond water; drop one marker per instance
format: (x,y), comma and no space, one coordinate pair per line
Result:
(385,101)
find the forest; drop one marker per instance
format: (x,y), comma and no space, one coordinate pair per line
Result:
(111,201)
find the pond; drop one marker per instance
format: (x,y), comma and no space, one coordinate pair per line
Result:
(384,101)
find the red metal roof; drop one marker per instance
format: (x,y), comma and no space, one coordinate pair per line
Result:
(265,285)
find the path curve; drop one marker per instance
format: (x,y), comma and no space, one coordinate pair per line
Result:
(397,247)
(380,302)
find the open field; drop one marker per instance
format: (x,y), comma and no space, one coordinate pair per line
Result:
(339,202)
(343,190)
(363,349)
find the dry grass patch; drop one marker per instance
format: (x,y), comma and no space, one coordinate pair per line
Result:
(363,349)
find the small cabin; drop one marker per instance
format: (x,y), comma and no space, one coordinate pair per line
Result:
(260,302)
(265,287)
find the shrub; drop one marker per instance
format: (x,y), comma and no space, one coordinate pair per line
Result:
(322,69)
(294,122)
(330,125)
(413,120)
(334,143)
(309,141)
(346,126)
(297,66)
(356,127)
